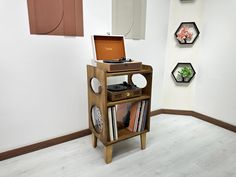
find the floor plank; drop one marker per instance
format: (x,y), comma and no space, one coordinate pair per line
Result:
(177,146)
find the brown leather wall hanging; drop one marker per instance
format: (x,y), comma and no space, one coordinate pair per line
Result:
(56,17)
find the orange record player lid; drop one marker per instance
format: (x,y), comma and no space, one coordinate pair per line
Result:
(109,47)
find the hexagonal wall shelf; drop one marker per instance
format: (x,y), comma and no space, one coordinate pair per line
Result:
(183,72)
(187,33)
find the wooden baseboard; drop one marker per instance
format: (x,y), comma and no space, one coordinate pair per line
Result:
(44,144)
(157,112)
(196,115)
(171,111)
(214,121)
(62,139)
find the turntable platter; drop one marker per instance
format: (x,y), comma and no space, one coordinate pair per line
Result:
(116,87)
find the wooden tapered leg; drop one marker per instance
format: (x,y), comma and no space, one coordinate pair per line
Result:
(143,140)
(94,140)
(108,153)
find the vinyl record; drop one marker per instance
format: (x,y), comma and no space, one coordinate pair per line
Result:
(113,61)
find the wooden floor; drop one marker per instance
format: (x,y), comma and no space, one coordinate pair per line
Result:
(177,146)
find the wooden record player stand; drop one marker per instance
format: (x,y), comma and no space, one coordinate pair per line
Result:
(103,104)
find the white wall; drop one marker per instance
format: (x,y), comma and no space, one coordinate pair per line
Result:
(180,96)
(152,50)
(216,82)
(43,78)
(212,91)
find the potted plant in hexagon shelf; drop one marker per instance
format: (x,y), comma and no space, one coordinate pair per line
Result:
(183,72)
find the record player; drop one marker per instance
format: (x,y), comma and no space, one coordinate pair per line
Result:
(109,52)
(123,91)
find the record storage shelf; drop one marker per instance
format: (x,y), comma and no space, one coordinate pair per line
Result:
(100,100)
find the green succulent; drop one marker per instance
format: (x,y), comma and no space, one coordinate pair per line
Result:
(185,72)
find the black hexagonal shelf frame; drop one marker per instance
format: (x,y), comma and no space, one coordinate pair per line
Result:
(187,33)
(176,73)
